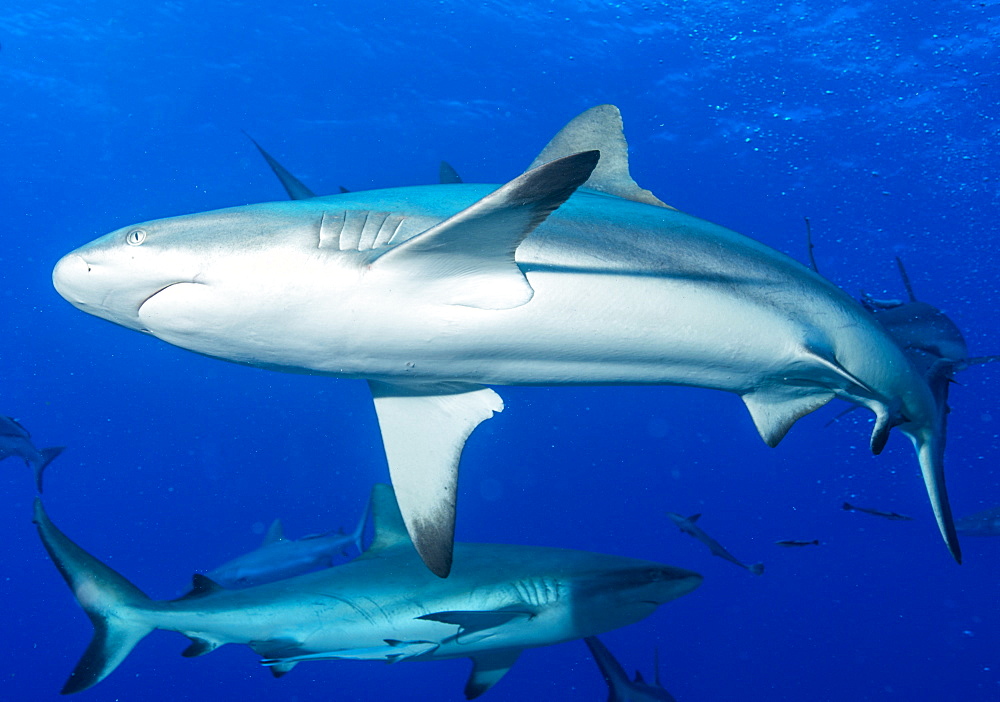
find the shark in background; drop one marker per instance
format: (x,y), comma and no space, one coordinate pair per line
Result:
(985,523)
(15,442)
(278,558)
(688,526)
(569,274)
(620,688)
(384,605)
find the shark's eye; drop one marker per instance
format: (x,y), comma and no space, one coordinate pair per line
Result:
(136,237)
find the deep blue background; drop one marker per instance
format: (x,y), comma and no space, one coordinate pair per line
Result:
(880,125)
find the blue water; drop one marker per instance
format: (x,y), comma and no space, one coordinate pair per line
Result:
(880,125)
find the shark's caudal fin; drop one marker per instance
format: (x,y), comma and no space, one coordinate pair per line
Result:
(108,599)
(424,430)
(600,128)
(930,454)
(293,186)
(48,455)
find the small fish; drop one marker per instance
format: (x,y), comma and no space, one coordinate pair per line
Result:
(895,516)
(789,543)
(16,441)
(688,526)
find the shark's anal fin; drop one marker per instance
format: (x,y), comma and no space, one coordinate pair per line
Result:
(424,429)
(600,128)
(487,669)
(775,410)
(468,259)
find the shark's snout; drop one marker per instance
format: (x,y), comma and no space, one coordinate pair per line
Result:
(70,278)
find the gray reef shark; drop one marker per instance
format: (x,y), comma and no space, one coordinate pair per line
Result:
(688,526)
(15,441)
(570,274)
(985,523)
(383,605)
(620,688)
(278,558)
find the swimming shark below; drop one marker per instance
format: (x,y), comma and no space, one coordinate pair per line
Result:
(570,274)
(383,605)
(620,688)
(985,523)
(278,558)
(15,441)
(688,526)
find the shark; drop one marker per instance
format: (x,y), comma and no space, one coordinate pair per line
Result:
(892,516)
(568,274)
(985,523)
(15,441)
(689,527)
(384,605)
(278,558)
(620,688)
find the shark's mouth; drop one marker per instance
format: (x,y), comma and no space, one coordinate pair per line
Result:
(172,306)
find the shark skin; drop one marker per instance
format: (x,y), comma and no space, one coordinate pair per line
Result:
(620,688)
(15,441)
(689,527)
(570,274)
(278,558)
(384,605)
(985,523)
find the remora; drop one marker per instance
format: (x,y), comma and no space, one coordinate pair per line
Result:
(431,293)
(383,605)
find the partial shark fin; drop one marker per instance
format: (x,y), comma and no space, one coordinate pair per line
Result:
(775,410)
(424,429)
(981,359)
(471,253)
(387,523)
(201,585)
(293,186)
(474,626)
(487,669)
(282,668)
(930,454)
(275,533)
(906,279)
(109,600)
(694,518)
(611,670)
(600,128)
(448,175)
(199,647)
(48,455)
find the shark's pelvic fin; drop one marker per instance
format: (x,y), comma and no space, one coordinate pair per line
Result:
(600,128)
(487,669)
(424,429)
(293,186)
(199,647)
(448,175)
(776,409)
(275,533)
(472,253)
(107,598)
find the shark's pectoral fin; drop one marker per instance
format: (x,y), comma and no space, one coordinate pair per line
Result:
(468,259)
(281,668)
(474,626)
(775,409)
(487,669)
(600,128)
(424,429)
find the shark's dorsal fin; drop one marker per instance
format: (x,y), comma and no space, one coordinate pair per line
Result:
(424,429)
(487,669)
(468,259)
(448,175)
(600,128)
(387,522)
(638,677)
(694,518)
(775,409)
(201,585)
(275,533)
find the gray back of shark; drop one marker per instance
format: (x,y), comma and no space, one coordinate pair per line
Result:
(570,274)
(620,688)
(384,605)
(985,523)
(278,558)
(15,442)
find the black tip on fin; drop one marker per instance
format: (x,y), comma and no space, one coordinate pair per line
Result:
(48,455)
